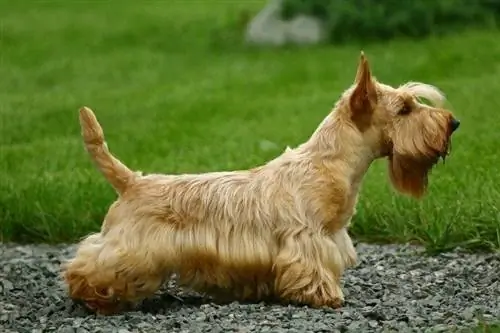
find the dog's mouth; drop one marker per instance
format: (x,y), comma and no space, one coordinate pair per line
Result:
(446,151)
(441,154)
(454,124)
(102,307)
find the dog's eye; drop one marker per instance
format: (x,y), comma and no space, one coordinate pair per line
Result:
(404,110)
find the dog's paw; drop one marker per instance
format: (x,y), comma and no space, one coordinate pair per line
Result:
(351,259)
(322,301)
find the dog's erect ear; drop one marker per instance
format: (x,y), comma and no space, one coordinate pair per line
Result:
(364,95)
(363,68)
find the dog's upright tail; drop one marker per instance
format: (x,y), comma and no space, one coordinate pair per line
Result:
(113,170)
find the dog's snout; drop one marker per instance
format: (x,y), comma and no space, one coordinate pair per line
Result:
(454,124)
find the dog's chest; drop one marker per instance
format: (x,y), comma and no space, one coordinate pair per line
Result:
(339,209)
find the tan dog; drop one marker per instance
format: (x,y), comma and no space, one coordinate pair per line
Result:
(278,230)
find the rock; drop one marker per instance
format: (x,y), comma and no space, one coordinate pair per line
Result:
(468,313)
(7,285)
(268,28)
(65,329)
(379,300)
(304,30)
(266,145)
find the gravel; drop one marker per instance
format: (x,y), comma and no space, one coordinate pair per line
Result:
(395,288)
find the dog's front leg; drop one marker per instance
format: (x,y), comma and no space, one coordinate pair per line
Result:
(346,248)
(308,268)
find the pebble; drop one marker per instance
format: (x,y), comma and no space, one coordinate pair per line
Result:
(395,288)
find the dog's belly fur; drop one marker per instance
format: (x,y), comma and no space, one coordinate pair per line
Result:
(235,263)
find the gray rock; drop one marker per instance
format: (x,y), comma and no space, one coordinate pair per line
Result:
(66,329)
(7,285)
(383,296)
(268,28)
(123,330)
(266,145)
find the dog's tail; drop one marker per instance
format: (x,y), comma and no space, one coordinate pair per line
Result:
(113,170)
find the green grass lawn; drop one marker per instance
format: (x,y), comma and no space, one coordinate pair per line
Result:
(176,91)
(485,328)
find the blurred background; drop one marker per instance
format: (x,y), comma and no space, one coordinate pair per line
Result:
(202,85)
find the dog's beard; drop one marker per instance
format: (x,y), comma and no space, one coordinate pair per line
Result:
(410,176)
(446,151)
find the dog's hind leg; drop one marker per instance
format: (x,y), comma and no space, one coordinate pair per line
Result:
(308,268)
(108,276)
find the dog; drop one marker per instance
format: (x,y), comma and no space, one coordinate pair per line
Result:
(276,231)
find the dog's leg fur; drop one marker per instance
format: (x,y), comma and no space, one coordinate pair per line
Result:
(346,248)
(107,273)
(308,269)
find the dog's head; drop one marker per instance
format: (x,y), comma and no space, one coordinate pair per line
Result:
(95,299)
(91,282)
(89,286)
(399,125)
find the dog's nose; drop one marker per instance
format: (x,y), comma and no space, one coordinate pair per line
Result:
(454,123)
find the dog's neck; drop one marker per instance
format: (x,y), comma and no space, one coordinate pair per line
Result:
(339,145)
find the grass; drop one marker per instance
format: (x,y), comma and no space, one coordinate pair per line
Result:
(486,328)
(176,91)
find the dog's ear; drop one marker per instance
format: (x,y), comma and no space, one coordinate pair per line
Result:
(364,95)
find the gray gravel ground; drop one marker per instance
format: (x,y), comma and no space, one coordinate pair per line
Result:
(393,289)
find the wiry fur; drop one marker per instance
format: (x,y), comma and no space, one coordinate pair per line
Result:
(275,231)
